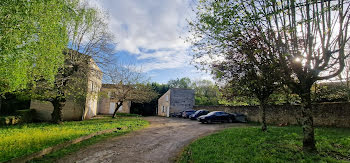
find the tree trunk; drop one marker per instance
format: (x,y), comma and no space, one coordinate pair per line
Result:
(116,109)
(0,104)
(56,115)
(262,108)
(307,122)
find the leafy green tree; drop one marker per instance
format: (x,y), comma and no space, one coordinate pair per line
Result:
(89,38)
(70,84)
(180,83)
(330,92)
(206,92)
(33,35)
(308,39)
(160,88)
(249,69)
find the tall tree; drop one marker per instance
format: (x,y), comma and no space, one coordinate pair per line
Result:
(89,39)
(89,34)
(250,68)
(70,84)
(32,37)
(309,39)
(128,84)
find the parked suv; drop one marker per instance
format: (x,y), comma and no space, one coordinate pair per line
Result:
(198,113)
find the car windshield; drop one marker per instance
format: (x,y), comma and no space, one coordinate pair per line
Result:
(212,113)
(198,111)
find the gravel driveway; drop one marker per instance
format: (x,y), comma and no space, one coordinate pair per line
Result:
(162,141)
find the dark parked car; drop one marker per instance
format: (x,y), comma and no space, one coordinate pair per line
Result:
(198,113)
(217,116)
(187,113)
(173,114)
(179,114)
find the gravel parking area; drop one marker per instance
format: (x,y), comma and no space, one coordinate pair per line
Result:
(162,141)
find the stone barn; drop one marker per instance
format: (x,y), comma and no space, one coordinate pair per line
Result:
(175,100)
(107,104)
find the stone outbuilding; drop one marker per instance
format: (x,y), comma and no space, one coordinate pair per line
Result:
(76,109)
(175,100)
(107,104)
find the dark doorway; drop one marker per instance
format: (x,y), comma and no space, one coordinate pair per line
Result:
(146,109)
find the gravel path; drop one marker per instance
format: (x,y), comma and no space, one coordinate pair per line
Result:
(162,141)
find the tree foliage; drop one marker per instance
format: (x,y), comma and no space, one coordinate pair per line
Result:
(89,40)
(180,83)
(89,34)
(33,35)
(308,39)
(206,92)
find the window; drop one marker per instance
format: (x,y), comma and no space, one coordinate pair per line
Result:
(163,110)
(167,98)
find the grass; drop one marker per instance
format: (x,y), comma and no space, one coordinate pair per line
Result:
(20,140)
(279,144)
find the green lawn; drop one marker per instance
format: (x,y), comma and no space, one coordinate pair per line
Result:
(279,144)
(19,140)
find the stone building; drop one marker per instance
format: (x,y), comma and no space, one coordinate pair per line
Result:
(107,103)
(175,100)
(81,108)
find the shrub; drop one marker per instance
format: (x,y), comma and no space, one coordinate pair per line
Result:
(23,116)
(9,120)
(26,116)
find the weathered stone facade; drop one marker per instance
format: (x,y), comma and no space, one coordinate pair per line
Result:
(107,104)
(325,114)
(76,109)
(71,111)
(175,100)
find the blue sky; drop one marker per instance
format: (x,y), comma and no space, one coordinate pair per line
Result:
(151,34)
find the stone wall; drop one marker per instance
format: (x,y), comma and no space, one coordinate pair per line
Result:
(326,114)
(181,99)
(94,84)
(175,100)
(164,104)
(71,110)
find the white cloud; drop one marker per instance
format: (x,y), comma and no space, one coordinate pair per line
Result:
(150,25)
(164,59)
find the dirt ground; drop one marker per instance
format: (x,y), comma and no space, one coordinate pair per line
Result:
(161,142)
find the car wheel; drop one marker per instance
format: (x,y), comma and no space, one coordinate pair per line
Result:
(230,121)
(209,121)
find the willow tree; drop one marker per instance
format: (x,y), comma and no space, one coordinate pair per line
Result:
(89,39)
(33,35)
(309,39)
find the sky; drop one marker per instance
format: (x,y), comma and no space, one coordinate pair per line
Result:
(151,34)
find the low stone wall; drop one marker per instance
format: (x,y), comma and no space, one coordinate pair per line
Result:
(325,114)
